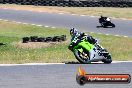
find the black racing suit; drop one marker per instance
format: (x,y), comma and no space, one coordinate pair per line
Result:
(102,20)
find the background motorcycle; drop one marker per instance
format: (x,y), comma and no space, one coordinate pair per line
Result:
(80,49)
(106,23)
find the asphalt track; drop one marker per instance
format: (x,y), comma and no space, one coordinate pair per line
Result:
(83,23)
(63,75)
(58,76)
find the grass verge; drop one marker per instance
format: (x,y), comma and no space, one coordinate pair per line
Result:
(93,11)
(10,33)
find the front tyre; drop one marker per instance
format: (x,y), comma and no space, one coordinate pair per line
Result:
(82,57)
(113,25)
(107,60)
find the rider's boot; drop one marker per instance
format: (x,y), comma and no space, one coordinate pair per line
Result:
(92,54)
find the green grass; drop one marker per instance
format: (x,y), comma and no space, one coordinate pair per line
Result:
(10,33)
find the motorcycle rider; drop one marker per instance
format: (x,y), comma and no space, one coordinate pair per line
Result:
(74,33)
(104,19)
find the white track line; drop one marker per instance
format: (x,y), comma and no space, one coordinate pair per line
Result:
(39,25)
(82,15)
(91,32)
(99,33)
(126,36)
(33,24)
(18,22)
(31,64)
(61,13)
(46,26)
(107,34)
(121,61)
(5,20)
(24,23)
(122,18)
(92,16)
(116,35)
(73,14)
(54,63)
(27,23)
(53,27)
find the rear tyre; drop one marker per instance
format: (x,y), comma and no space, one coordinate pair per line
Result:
(104,25)
(81,57)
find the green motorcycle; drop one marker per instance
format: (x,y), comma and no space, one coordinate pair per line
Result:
(81,48)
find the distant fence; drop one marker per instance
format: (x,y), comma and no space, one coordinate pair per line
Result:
(72,3)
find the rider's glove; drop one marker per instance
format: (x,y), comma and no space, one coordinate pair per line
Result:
(96,41)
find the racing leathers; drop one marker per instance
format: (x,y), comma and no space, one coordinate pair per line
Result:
(90,39)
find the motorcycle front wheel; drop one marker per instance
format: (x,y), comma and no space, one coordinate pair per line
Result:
(107,60)
(82,57)
(113,25)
